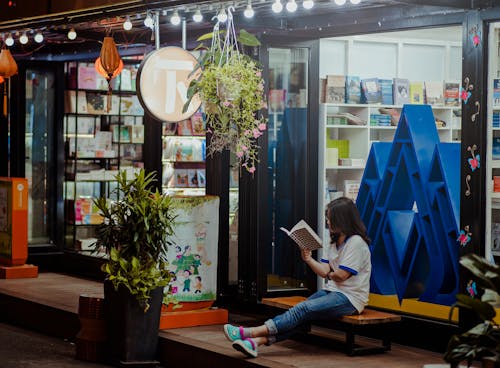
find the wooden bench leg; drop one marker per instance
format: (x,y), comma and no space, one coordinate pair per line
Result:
(352,349)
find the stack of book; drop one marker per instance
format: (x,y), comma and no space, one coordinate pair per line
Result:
(496,119)
(380,120)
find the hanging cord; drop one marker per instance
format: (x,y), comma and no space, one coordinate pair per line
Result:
(230,45)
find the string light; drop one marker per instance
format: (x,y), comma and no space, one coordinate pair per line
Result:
(197,16)
(222,16)
(24,38)
(308,4)
(127,25)
(72,34)
(340,2)
(39,37)
(175,19)
(9,41)
(249,13)
(148,22)
(291,6)
(277,7)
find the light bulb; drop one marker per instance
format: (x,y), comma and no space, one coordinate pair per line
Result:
(308,4)
(277,7)
(249,13)
(39,37)
(355,2)
(197,16)
(127,25)
(340,2)
(291,6)
(72,34)
(9,41)
(175,19)
(222,16)
(23,39)
(148,22)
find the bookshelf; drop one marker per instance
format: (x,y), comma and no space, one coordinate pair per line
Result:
(343,168)
(100,141)
(492,227)
(359,76)
(183,156)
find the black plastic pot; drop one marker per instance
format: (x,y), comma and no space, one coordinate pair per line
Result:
(132,334)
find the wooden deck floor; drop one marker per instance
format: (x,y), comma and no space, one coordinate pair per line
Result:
(197,346)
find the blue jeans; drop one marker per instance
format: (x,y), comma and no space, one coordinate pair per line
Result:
(323,304)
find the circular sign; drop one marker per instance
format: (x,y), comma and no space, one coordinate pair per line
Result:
(162,83)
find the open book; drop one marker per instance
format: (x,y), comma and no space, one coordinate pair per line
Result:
(304,236)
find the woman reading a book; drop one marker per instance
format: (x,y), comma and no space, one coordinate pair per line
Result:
(345,265)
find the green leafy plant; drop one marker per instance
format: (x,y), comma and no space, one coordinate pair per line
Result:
(231,89)
(483,340)
(134,234)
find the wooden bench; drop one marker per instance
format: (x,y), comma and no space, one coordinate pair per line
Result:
(352,325)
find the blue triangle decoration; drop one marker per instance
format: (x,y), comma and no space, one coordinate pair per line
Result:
(409,200)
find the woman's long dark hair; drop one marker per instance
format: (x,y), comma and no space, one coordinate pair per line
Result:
(343,215)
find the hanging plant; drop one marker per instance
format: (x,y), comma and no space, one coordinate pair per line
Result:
(231,89)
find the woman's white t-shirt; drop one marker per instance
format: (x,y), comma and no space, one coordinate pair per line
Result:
(352,256)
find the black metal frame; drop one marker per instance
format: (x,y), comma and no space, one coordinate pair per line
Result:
(39,252)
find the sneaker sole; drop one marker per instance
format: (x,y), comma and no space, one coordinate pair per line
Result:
(238,345)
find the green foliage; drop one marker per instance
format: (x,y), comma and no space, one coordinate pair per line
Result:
(232,91)
(134,235)
(483,340)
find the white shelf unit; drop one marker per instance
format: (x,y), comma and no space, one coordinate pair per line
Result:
(332,176)
(492,230)
(404,54)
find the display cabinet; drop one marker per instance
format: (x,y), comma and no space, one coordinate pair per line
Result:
(103,135)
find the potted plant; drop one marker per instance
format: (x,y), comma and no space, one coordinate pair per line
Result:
(482,342)
(134,234)
(231,89)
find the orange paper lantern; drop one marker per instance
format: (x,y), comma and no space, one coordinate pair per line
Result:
(101,71)
(1,80)
(110,58)
(8,66)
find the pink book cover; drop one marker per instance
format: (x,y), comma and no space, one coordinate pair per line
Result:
(86,77)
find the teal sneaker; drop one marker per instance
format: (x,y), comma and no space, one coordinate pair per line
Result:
(247,347)
(233,333)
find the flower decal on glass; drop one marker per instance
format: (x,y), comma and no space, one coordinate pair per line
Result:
(465,92)
(471,288)
(464,238)
(475,161)
(475,35)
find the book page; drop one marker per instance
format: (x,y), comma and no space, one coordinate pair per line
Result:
(304,236)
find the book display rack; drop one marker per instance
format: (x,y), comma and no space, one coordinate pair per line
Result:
(101,139)
(183,156)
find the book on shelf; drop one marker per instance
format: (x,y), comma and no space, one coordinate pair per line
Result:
(202,180)
(137,135)
(96,103)
(495,149)
(386,90)
(434,93)
(322,87)
(496,92)
(370,91)
(335,89)
(75,102)
(451,93)
(169,128)
(304,236)
(193,181)
(80,125)
(87,77)
(121,133)
(277,100)
(181,178)
(126,79)
(401,91)
(351,189)
(416,92)
(352,89)
(198,123)
(184,127)
(495,237)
